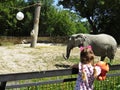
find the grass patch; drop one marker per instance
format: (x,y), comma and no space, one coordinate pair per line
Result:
(74,60)
(6,43)
(111,83)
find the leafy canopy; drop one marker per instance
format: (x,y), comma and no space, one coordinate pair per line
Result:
(102,15)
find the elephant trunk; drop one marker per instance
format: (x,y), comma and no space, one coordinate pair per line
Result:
(68,50)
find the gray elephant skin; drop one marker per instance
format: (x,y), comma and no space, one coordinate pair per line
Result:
(103,45)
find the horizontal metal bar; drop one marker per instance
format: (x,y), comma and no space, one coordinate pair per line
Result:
(112,75)
(115,67)
(51,82)
(41,83)
(31,75)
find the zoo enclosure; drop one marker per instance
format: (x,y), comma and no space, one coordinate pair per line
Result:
(5,78)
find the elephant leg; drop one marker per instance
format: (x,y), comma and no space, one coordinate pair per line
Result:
(102,58)
(111,57)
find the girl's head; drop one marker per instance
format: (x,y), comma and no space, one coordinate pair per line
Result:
(86,55)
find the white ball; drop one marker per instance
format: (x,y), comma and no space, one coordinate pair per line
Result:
(19,16)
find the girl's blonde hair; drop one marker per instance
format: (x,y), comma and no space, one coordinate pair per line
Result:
(87,56)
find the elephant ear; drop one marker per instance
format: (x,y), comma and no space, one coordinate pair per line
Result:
(81,38)
(85,39)
(71,38)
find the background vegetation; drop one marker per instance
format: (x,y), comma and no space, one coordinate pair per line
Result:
(53,22)
(102,16)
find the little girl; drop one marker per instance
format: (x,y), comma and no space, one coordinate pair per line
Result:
(87,71)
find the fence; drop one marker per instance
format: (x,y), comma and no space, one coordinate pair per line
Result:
(56,79)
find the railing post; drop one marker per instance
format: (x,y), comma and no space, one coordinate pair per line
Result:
(3,85)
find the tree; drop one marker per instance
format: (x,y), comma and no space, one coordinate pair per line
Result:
(34,32)
(58,22)
(103,15)
(53,21)
(10,25)
(84,8)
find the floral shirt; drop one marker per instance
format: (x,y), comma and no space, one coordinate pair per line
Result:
(88,83)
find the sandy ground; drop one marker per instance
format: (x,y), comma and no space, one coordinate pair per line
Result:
(22,58)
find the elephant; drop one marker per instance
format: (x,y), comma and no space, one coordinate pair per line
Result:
(103,45)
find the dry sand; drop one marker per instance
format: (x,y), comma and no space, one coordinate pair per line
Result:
(22,58)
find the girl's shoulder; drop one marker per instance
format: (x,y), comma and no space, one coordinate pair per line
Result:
(84,66)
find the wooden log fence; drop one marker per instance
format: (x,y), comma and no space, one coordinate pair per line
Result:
(4,78)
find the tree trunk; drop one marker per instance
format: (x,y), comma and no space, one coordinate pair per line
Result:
(93,26)
(34,32)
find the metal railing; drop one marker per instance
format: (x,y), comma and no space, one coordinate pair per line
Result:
(63,79)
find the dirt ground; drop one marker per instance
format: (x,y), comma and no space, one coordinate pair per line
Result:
(22,58)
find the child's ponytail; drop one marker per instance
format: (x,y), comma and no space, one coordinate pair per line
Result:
(94,72)
(83,74)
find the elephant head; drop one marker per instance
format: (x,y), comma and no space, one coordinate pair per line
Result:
(75,40)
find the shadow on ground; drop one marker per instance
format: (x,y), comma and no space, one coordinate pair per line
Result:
(62,65)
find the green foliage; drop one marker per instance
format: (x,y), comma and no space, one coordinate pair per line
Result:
(10,25)
(53,21)
(56,22)
(102,15)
